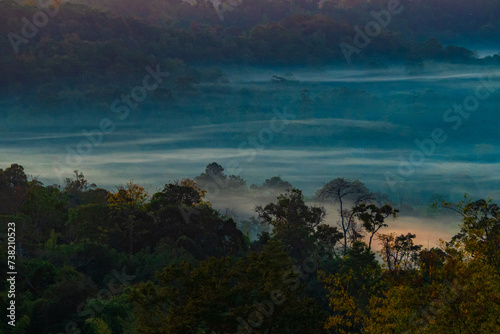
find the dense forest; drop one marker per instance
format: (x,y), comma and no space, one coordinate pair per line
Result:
(115,40)
(366,81)
(91,260)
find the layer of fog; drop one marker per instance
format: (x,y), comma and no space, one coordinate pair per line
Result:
(347,123)
(430,226)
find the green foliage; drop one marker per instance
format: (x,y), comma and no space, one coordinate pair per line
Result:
(193,272)
(113,314)
(21,325)
(51,242)
(220,295)
(13,187)
(89,222)
(96,326)
(147,263)
(183,218)
(47,209)
(39,274)
(258,32)
(373,217)
(480,230)
(350,290)
(293,222)
(462,298)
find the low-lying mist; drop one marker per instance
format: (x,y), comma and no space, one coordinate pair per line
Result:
(308,125)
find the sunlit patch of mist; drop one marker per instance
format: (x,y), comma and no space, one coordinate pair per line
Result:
(428,230)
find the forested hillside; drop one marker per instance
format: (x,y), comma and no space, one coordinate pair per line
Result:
(303,101)
(82,42)
(97,261)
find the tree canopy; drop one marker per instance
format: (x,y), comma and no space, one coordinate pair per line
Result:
(125,262)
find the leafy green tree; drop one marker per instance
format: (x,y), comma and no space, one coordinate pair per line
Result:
(146,263)
(350,290)
(111,314)
(373,217)
(480,230)
(293,222)
(259,293)
(90,222)
(328,237)
(81,192)
(462,297)
(69,290)
(97,326)
(13,189)
(37,274)
(183,217)
(45,209)
(185,193)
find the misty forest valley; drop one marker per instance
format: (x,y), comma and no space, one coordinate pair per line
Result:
(250,166)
